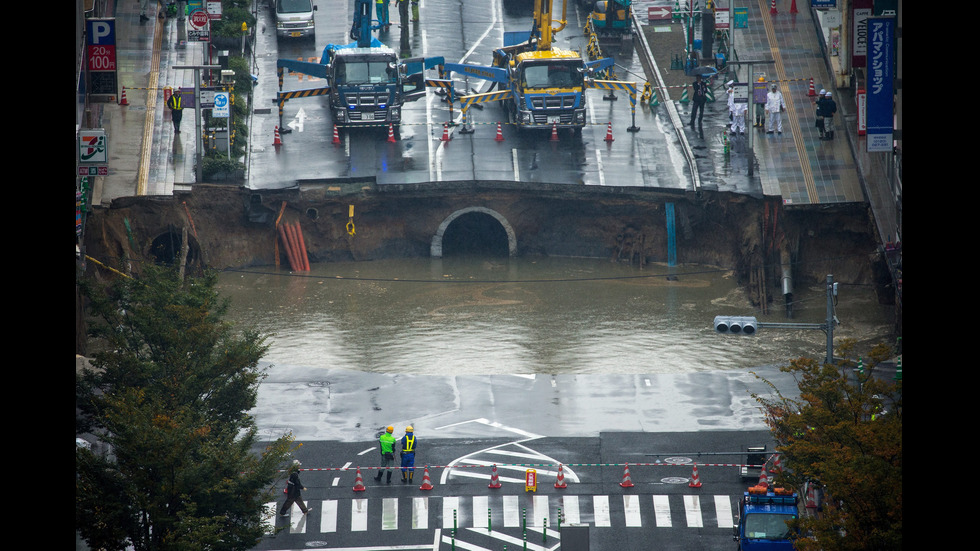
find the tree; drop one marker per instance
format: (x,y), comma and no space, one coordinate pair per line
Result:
(170,395)
(846,436)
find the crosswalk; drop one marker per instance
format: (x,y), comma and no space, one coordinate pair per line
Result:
(508,511)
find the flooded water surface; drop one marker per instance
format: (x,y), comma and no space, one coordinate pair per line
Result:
(527,315)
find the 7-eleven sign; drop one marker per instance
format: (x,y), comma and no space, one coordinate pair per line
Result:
(92,146)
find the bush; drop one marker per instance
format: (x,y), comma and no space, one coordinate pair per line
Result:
(220,167)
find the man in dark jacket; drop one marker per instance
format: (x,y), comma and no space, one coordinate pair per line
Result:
(826,107)
(699,99)
(294,492)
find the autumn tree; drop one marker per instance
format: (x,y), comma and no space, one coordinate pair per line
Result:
(170,395)
(843,433)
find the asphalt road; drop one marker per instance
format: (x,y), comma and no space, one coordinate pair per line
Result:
(660,511)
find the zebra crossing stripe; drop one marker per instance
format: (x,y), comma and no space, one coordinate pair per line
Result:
(600,510)
(661,511)
(358,515)
(692,511)
(631,506)
(475,512)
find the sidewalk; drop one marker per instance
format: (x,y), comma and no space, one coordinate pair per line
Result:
(146,54)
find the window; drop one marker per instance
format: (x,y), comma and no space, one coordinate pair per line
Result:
(767,526)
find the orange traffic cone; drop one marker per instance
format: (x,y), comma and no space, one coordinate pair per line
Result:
(277,140)
(560,483)
(445,131)
(695,481)
(811,496)
(494,481)
(763,478)
(777,466)
(336,135)
(426,482)
(391,133)
(123,100)
(627,482)
(500,134)
(359,482)
(609,137)
(811,92)
(554,131)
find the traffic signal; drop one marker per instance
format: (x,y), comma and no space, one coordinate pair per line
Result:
(740,325)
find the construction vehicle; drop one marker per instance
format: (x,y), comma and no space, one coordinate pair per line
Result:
(612,23)
(762,519)
(366,82)
(541,86)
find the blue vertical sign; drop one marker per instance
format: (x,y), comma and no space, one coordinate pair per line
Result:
(881,32)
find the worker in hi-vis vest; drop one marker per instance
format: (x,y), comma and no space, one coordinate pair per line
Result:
(409,445)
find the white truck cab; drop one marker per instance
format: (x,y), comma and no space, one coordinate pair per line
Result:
(294,18)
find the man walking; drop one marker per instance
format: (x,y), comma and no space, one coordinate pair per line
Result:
(294,492)
(176,105)
(387,443)
(409,445)
(828,107)
(699,99)
(774,107)
(381,6)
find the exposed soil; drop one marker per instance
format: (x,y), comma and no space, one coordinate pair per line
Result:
(231,227)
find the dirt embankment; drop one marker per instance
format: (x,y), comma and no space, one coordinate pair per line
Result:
(231,227)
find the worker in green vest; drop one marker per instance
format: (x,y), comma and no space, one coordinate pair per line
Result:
(409,445)
(387,442)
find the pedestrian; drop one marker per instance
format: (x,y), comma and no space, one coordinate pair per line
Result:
(176,105)
(387,444)
(738,122)
(774,108)
(829,109)
(381,6)
(759,99)
(143,6)
(819,113)
(294,491)
(409,445)
(415,11)
(699,99)
(402,12)
(730,85)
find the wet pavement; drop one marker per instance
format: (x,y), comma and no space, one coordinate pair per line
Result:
(146,158)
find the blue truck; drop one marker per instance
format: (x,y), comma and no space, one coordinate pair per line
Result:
(762,520)
(367,84)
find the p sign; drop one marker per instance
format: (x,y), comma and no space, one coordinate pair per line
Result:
(101,56)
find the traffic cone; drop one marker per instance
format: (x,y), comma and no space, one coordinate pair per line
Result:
(560,483)
(811,496)
(684,98)
(494,481)
(554,131)
(763,478)
(811,92)
(277,140)
(500,134)
(609,136)
(391,133)
(359,482)
(123,100)
(772,10)
(426,482)
(627,482)
(777,467)
(445,131)
(792,7)
(336,135)
(695,481)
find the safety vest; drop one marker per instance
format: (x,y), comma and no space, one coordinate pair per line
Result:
(387,443)
(409,445)
(175,102)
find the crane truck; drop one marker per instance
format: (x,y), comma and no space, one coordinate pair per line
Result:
(541,86)
(762,519)
(367,84)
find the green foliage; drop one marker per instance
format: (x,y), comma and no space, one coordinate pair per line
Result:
(170,394)
(216,166)
(844,433)
(232,17)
